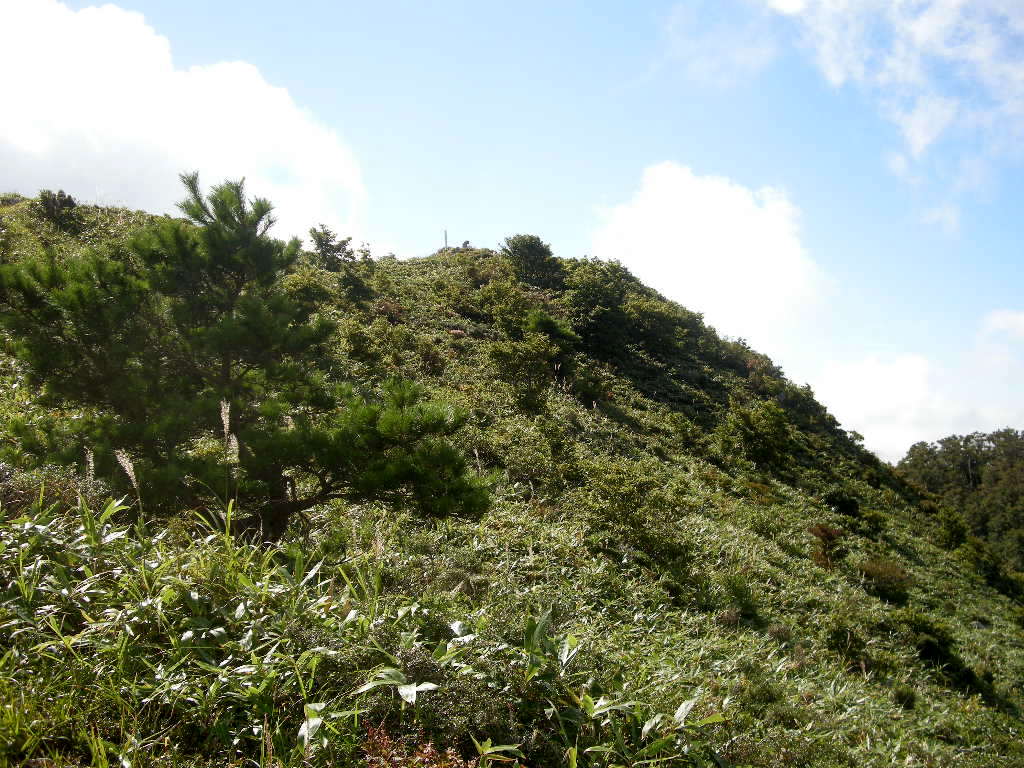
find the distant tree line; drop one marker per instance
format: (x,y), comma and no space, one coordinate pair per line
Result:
(979,481)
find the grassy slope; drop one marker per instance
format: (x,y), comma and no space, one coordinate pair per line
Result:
(681,571)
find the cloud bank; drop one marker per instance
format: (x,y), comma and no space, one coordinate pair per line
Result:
(719,248)
(106,115)
(898,401)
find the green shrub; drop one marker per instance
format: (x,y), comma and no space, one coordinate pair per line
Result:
(57,208)
(904,696)
(527,365)
(533,262)
(741,595)
(886,579)
(847,641)
(594,298)
(841,502)
(758,432)
(869,523)
(979,555)
(1018,615)
(952,531)
(935,646)
(537,353)
(830,548)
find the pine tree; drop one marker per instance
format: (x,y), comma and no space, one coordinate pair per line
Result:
(183,354)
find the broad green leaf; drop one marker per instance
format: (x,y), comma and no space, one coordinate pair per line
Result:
(684,710)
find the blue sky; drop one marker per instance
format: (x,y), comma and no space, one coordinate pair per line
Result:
(837,182)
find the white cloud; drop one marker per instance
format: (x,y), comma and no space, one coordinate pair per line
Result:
(933,64)
(905,399)
(898,164)
(945,216)
(735,254)
(787,6)
(893,403)
(718,41)
(719,248)
(923,123)
(94,104)
(1005,321)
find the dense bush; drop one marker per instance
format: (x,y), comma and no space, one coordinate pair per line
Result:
(537,353)
(886,579)
(935,645)
(904,696)
(533,262)
(830,547)
(56,207)
(846,640)
(595,295)
(758,432)
(841,501)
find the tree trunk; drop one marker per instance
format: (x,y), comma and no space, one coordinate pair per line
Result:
(275,516)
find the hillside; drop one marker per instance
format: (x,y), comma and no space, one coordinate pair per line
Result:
(684,560)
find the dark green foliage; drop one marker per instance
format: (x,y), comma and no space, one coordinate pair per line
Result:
(527,364)
(539,321)
(193,369)
(1018,615)
(741,594)
(979,477)
(537,353)
(869,523)
(329,252)
(904,696)
(983,559)
(841,502)
(933,640)
(758,432)
(595,295)
(952,529)
(847,640)
(533,262)
(57,208)
(830,548)
(5,240)
(337,256)
(886,579)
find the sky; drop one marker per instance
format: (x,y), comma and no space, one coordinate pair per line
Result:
(839,182)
